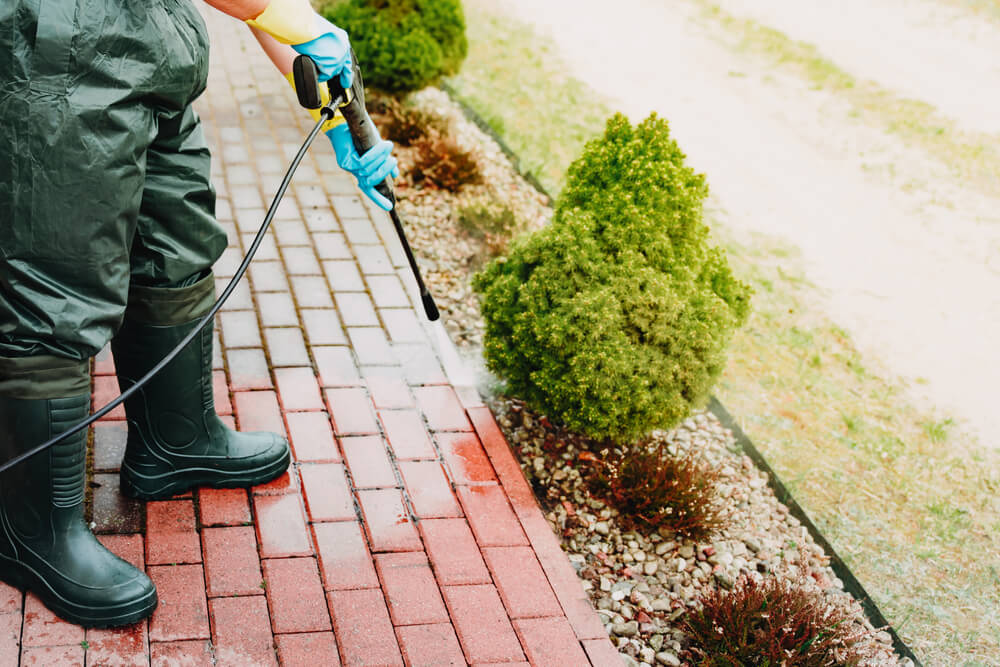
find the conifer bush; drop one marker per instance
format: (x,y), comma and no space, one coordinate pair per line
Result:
(403,45)
(614,319)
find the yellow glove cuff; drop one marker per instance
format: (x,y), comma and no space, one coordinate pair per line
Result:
(288,21)
(325,95)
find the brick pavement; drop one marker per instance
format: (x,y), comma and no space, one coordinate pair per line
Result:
(404,532)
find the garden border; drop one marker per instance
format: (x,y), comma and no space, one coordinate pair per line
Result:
(851,583)
(837,564)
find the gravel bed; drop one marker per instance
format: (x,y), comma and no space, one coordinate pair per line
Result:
(640,582)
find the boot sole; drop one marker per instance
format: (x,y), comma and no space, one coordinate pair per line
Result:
(22,577)
(157,487)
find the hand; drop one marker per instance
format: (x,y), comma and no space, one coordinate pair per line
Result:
(370,169)
(331,51)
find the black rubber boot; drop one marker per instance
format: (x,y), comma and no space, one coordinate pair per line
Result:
(176,441)
(45,545)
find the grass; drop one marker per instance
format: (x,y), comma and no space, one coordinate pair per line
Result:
(973,157)
(544,115)
(910,505)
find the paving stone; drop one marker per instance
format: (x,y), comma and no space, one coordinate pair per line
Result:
(52,655)
(291,231)
(281,527)
(356,309)
(182,653)
(277,309)
(323,327)
(359,230)
(286,347)
(523,587)
(343,275)
(307,650)
(387,292)
(171,535)
(10,638)
(430,645)
(327,492)
(348,207)
(364,631)
(112,512)
(336,366)
(549,642)
(453,552)
(389,392)
(268,276)
(109,446)
(258,411)
(466,458)
(429,489)
(420,364)
(387,521)
(402,325)
(240,329)
(43,628)
(332,246)
(311,292)
(105,391)
(10,599)
(368,461)
(220,394)
(248,369)
(241,632)
(223,507)
(104,362)
(482,624)
(231,563)
(407,435)
(352,412)
(344,560)
(268,249)
(490,516)
(371,346)
(601,652)
(183,610)
(295,595)
(410,589)
(301,261)
(122,647)
(311,435)
(441,407)
(373,260)
(298,388)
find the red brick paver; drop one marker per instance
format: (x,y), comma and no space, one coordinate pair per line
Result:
(403,533)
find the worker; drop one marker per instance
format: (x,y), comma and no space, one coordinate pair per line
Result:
(108,232)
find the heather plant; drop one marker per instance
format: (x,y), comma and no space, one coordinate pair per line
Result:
(441,163)
(403,45)
(614,319)
(653,488)
(771,622)
(405,124)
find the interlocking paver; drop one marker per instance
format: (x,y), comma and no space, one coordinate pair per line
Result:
(410,589)
(259,411)
(407,434)
(371,346)
(281,527)
(277,309)
(109,446)
(453,551)
(336,366)
(549,642)
(344,559)
(298,389)
(522,585)
(481,622)
(356,309)
(430,645)
(389,392)
(241,633)
(223,507)
(183,610)
(286,347)
(52,655)
(43,628)
(492,520)
(248,369)
(441,407)
(295,595)
(122,647)
(466,458)
(327,492)
(322,326)
(364,631)
(231,563)
(429,489)
(307,650)
(311,435)
(170,533)
(352,411)
(388,521)
(186,653)
(368,461)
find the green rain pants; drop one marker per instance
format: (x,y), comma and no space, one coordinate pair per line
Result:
(104,177)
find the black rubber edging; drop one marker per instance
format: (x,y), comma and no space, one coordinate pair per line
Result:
(839,567)
(851,583)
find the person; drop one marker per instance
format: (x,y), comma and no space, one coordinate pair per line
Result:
(107,232)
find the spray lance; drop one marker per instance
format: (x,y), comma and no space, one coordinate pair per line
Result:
(351,104)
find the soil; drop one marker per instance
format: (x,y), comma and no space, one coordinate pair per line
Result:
(906,255)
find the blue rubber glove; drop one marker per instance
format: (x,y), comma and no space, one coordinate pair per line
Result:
(331,51)
(370,169)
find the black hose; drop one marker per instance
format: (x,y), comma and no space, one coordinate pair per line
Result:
(326,114)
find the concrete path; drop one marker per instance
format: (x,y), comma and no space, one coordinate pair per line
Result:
(404,532)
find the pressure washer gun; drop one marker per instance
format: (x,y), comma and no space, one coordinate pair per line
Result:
(351,104)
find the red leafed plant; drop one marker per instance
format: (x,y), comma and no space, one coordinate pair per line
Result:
(774,623)
(652,487)
(440,162)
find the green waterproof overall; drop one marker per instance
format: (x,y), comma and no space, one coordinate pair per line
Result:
(104,180)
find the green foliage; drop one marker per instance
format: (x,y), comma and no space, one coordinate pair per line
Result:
(651,488)
(495,225)
(614,319)
(773,622)
(403,45)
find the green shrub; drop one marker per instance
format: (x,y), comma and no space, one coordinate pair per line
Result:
(614,319)
(491,223)
(403,45)
(773,622)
